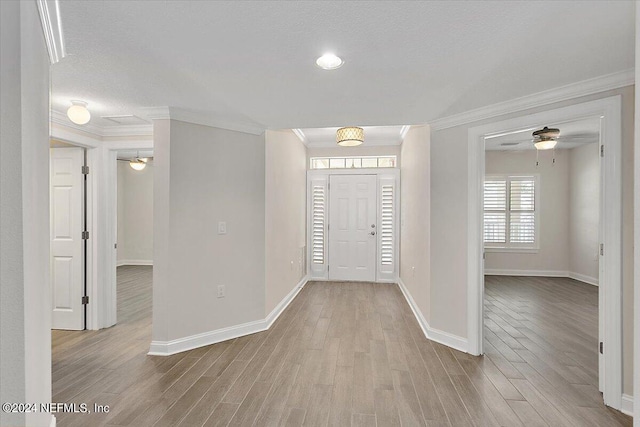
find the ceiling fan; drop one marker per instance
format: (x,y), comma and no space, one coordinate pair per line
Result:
(137,163)
(547,138)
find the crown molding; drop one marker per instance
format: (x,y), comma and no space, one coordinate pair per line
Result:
(562,93)
(49,11)
(182,115)
(61,119)
(300,135)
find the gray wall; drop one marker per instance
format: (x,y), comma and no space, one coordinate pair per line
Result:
(584,210)
(414,217)
(204,175)
(135,214)
(449,223)
(285,214)
(24,195)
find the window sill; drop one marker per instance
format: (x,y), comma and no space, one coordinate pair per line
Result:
(512,250)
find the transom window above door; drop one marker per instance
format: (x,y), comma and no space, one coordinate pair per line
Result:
(353,162)
(511,220)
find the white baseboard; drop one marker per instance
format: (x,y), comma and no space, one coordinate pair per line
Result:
(277,311)
(627,405)
(433,334)
(122,262)
(167,348)
(542,273)
(584,278)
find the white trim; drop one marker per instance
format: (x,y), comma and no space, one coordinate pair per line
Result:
(49,11)
(300,135)
(532,273)
(167,348)
(122,262)
(503,250)
(430,333)
(282,305)
(52,423)
(173,113)
(583,278)
(609,111)
(627,405)
(562,93)
(541,273)
(61,119)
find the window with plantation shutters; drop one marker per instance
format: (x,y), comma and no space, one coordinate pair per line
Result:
(318,205)
(510,211)
(386,225)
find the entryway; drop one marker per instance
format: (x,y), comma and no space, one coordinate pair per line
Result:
(352,224)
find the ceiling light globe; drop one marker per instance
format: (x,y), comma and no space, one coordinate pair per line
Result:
(329,61)
(350,136)
(137,164)
(545,144)
(78,113)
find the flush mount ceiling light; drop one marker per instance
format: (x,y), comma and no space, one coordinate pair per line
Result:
(78,113)
(545,138)
(350,136)
(329,61)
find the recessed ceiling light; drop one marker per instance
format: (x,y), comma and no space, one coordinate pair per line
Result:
(329,61)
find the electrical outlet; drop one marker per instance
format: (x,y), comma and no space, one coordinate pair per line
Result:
(221,291)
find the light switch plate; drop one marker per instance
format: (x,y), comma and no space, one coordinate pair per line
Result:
(222,227)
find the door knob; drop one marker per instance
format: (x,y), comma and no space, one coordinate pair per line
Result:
(373,233)
(373,226)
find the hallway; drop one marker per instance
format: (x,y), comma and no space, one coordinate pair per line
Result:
(340,354)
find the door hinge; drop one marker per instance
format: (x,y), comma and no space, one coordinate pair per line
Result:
(328,227)
(602,151)
(601,347)
(601,249)
(85,235)
(85,300)
(85,170)
(115,246)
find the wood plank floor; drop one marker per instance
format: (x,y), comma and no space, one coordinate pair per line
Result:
(346,354)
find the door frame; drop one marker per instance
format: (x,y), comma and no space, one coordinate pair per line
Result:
(101,217)
(381,174)
(610,286)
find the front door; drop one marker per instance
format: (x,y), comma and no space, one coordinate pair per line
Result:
(67,260)
(352,227)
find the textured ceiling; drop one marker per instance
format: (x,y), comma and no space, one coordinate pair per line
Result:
(405,62)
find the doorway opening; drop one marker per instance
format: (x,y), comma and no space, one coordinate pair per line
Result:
(69,235)
(605,112)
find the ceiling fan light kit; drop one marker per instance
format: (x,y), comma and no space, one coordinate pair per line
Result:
(545,138)
(138,163)
(350,136)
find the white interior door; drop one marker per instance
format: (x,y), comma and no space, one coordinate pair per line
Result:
(352,227)
(67,263)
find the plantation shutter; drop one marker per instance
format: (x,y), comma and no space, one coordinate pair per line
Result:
(318,191)
(386,227)
(495,211)
(522,225)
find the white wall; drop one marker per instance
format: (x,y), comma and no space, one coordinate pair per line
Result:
(449,222)
(414,212)
(25,295)
(135,214)
(285,214)
(204,175)
(584,212)
(553,208)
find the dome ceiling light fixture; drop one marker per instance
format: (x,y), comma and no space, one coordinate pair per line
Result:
(78,112)
(545,138)
(350,136)
(329,61)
